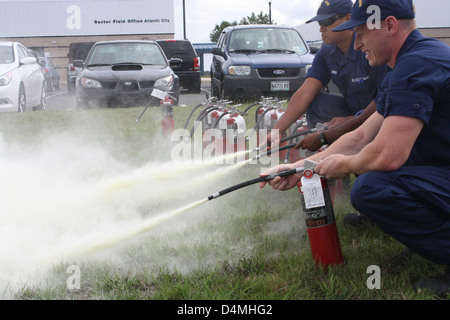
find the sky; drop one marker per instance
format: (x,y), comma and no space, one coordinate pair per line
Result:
(203,15)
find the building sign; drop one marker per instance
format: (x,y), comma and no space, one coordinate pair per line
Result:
(85,17)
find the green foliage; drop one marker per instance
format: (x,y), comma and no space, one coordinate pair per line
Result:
(261,18)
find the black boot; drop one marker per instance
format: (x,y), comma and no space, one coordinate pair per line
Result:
(356,219)
(438,285)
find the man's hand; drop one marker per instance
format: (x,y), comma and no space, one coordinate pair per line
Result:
(332,167)
(281,183)
(311,142)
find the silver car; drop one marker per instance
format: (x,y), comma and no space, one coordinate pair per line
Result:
(22,82)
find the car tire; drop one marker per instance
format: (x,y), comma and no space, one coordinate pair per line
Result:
(215,92)
(22,101)
(196,86)
(70,88)
(43,104)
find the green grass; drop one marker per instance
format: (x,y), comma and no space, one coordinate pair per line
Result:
(251,244)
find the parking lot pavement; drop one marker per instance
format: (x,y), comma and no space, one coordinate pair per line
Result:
(61,100)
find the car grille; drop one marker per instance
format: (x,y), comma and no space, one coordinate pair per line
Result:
(278,72)
(128,86)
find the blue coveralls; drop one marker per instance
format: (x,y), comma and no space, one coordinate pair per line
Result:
(353,76)
(412,204)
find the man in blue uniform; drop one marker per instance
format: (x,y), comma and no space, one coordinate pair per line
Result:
(402,152)
(338,61)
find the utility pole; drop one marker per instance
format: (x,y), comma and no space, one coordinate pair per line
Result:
(270,11)
(184,19)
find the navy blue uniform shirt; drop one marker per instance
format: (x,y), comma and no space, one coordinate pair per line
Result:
(356,80)
(419,87)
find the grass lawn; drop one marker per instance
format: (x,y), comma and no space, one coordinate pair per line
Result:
(71,179)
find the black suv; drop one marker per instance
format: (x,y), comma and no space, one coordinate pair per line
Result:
(188,71)
(252,61)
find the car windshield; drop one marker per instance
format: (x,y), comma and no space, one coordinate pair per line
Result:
(267,40)
(6,54)
(126,53)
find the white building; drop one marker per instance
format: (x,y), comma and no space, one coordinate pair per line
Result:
(50,26)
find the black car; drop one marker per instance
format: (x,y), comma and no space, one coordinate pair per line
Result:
(252,61)
(124,73)
(189,69)
(77,51)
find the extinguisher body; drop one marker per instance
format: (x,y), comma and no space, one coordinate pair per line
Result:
(321,228)
(167,122)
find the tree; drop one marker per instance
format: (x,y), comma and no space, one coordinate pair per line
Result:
(215,34)
(252,19)
(256,19)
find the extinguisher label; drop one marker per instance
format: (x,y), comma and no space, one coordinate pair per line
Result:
(313,192)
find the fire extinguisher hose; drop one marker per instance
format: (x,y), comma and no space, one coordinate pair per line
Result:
(254,181)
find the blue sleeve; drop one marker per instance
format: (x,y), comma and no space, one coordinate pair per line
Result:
(413,88)
(319,69)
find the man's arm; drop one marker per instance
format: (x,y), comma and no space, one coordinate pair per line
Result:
(349,144)
(312,142)
(389,150)
(299,103)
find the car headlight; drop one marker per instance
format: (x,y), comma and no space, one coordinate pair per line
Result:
(307,67)
(90,83)
(239,70)
(164,82)
(6,79)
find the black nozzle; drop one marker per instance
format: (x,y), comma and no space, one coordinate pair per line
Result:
(254,181)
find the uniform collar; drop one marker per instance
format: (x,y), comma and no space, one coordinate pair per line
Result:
(409,42)
(351,53)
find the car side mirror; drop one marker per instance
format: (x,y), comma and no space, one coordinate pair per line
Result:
(314,49)
(218,51)
(78,63)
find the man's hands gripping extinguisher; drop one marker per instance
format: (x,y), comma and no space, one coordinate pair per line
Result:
(167,121)
(319,217)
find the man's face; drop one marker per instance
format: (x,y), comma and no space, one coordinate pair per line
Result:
(374,43)
(326,27)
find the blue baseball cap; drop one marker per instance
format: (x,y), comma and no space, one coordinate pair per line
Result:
(362,13)
(329,8)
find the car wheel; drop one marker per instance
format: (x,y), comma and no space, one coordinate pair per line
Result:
(70,88)
(43,104)
(22,102)
(215,92)
(196,86)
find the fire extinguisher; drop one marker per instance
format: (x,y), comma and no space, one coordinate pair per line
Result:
(319,216)
(168,125)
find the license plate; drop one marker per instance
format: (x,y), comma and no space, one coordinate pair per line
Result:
(279,85)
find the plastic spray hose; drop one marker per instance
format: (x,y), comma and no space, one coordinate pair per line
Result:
(254,181)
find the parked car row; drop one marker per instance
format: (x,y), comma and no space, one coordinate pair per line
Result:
(249,62)
(22,81)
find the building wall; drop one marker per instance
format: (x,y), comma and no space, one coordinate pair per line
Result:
(442,34)
(50,26)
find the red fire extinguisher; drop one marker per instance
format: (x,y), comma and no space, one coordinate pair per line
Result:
(168,125)
(319,216)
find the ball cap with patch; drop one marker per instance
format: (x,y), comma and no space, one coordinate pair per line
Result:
(364,10)
(330,8)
